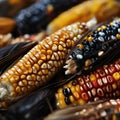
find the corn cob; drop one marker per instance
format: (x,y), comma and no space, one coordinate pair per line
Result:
(101,9)
(102,83)
(41,63)
(95,49)
(39,14)
(100,110)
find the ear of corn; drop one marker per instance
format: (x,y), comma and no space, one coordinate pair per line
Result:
(101,84)
(95,49)
(101,9)
(40,64)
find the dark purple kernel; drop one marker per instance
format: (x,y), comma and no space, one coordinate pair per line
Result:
(67,92)
(67,100)
(75,82)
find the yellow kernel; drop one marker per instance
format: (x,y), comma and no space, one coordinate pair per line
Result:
(81,102)
(23,76)
(54,47)
(103,27)
(18,90)
(44,66)
(92,77)
(33,77)
(73,89)
(118,36)
(45,72)
(72,100)
(60,90)
(114,86)
(62,104)
(43,51)
(60,47)
(70,84)
(61,96)
(43,57)
(88,62)
(80,46)
(24,82)
(77,88)
(76,95)
(40,62)
(36,66)
(30,70)
(89,39)
(99,29)
(111,23)
(116,75)
(40,73)
(48,57)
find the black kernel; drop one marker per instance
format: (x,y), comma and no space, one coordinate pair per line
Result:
(67,92)
(67,100)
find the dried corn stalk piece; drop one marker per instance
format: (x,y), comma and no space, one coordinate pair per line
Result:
(41,63)
(101,9)
(100,84)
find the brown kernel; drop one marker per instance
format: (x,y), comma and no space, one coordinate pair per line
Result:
(24,89)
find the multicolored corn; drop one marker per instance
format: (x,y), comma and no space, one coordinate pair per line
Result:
(41,63)
(101,9)
(103,83)
(100,110)
(97,47)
